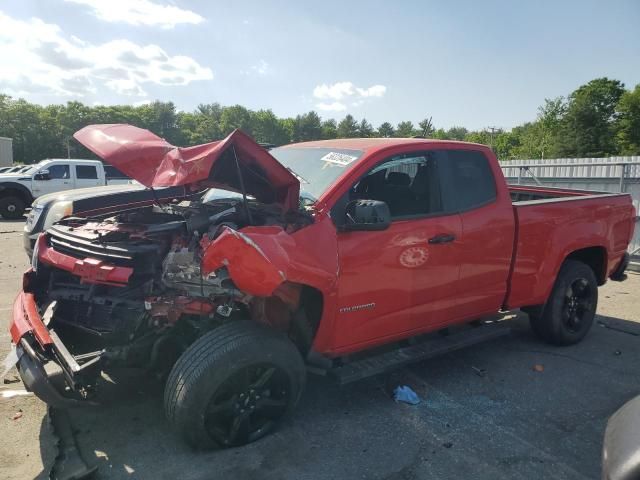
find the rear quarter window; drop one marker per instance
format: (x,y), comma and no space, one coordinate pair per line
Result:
(472,179)
(86,172)
(112,173)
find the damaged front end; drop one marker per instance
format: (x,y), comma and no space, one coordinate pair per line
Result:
(134,288)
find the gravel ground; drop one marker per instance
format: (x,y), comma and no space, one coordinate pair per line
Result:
(510,408)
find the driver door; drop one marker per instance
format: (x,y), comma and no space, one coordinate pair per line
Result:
(397,282)
(58,179)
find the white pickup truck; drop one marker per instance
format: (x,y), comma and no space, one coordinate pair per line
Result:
(18,190)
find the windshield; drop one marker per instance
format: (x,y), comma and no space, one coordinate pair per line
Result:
(316,168)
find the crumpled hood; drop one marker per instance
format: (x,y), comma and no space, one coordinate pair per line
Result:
(154,162)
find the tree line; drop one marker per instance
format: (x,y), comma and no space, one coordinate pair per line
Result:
(598,119)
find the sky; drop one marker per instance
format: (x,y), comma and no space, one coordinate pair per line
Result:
(462,63)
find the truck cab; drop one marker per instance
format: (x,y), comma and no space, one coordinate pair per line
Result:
(19,189)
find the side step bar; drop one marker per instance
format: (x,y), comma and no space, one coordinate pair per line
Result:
(432,346)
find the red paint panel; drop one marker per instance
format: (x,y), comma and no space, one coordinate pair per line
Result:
(26,319)
(249,266)
(486,252)
(259,259)
(548,232)
(154,162)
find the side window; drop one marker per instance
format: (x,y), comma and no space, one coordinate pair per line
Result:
(86,172)
(472,179)
(59,172)
(112,173)
(409,184)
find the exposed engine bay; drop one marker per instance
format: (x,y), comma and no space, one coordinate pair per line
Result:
(137,294)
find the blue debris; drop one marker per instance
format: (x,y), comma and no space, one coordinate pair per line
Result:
(404,394)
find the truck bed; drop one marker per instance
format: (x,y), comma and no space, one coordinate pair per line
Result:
(553,224)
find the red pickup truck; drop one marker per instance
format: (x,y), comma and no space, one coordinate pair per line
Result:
(344,257)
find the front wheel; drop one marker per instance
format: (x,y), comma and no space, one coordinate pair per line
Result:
(11,207)
(569,312)
(233,385)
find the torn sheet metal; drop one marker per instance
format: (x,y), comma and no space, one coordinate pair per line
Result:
(250,268)
(154,162)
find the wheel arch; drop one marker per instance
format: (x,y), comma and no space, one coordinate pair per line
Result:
(594,257)
(294,308)
(17,189)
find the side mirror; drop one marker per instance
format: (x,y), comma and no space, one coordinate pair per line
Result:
(42,175)
(366,215)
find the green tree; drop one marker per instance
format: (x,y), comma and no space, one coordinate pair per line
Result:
(440,134)
(211,110)
(234,117)
(365,129)
(599,118)
(529,145)
(588,126)
(161,119)
(505,145)
(386,130)
(268,128)
(549,123)
(628,125)
(426,128)
(307,127)
(457,133)
(481,137)
(329,129)
(405,129)
(348,127)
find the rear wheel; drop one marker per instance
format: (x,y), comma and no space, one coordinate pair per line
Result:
(569,312)
(233,385)
(11,207)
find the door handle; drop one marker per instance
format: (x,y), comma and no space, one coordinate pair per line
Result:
(442,238)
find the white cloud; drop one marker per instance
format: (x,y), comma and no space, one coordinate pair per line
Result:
(39,58)
(331,107)
(262,68)
(374,91)
(343,91)
(140,12)
(337,91)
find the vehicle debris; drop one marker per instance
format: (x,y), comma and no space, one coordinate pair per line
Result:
(405,394)
(15,393)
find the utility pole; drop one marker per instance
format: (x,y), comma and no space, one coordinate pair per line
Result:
(492,130)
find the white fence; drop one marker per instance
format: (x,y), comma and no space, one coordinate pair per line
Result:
(614,174)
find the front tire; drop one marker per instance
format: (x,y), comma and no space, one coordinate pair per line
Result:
(11,207)
(233,385)
(567,316)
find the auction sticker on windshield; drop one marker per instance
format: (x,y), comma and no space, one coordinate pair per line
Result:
(341,159)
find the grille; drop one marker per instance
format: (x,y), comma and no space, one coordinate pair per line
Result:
(121,254)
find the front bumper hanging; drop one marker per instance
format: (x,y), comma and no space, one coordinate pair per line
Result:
(36,346)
